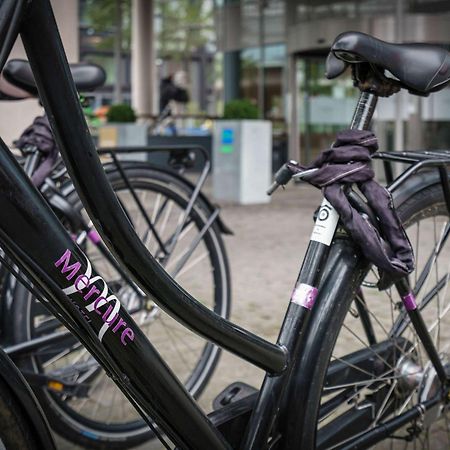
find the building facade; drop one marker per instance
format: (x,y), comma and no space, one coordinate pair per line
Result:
(274,53)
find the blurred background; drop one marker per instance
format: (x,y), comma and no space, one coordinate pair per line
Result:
(268,52)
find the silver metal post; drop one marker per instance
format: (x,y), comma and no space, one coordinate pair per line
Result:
(364,111)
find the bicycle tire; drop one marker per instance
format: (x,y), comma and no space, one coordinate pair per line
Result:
(91,432)
(15,429)
(330,323)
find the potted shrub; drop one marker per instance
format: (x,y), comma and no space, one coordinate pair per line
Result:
(240,109)
(121,113)
(242,150)
(121,130)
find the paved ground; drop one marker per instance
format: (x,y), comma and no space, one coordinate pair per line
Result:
(265,254)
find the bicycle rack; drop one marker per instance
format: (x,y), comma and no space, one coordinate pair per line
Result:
(418,160)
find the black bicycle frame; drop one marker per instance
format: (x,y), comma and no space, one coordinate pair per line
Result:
(32,236)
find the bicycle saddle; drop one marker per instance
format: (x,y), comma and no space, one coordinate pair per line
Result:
(9,91)
(87,77)
(420,68)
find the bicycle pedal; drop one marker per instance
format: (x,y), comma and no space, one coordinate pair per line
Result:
(57,385)
(232,393)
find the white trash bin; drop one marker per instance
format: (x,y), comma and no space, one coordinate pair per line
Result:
(242,158)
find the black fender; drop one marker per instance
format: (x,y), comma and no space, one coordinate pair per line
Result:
(111,167)
(62,207)
(6,307)
(417,182)
(21,391)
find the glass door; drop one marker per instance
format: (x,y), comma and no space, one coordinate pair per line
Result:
(324,106)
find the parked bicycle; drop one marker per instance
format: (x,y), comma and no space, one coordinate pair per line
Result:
(179,226)
(389,384)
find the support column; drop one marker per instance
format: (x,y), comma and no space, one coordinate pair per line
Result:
(292,88)
(232,70)
(231,43)
(118,84)
(143,65)
(400,104)
(262,60)
(291,110)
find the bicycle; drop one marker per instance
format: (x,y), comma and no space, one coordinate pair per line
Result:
(334,270)
(179,226)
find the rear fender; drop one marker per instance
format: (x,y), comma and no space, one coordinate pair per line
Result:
(415,183)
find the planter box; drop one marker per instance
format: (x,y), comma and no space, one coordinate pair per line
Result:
(242,155)
(124,135)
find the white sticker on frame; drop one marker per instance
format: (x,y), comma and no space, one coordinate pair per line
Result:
(326,223)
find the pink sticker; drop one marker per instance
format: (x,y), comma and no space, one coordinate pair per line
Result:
(304,295)
(409,301)
(94,237)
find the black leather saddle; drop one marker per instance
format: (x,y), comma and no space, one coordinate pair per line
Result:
(17,72)
(420,68)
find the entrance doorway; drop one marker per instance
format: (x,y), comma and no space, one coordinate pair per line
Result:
(324,106)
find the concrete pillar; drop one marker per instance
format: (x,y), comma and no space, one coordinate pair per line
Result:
(66,13)
(262,62)
(292,110)
(232,71)
(414,134)
(143,66)
(400,103)
(292,88)
(231,37)
(16,116)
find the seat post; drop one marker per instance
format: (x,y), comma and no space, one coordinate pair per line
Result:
(364,111)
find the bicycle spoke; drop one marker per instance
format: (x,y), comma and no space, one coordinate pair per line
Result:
(194,244)
(193,263)
(179,353)
(433,278)
(60,355)
(368,347)
(426,273)
(385,401)
(147,237)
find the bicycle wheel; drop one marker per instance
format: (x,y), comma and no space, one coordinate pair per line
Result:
(15,429)
(103,414)
(362,363)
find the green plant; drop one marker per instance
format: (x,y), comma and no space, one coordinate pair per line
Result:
(240,109)
(121,113)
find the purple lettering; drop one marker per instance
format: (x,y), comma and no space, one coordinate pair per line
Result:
(111,317)
(75,267)
(128,332)
(107,319)
(92,290)
(96,304)
(119,324)
(81,279)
